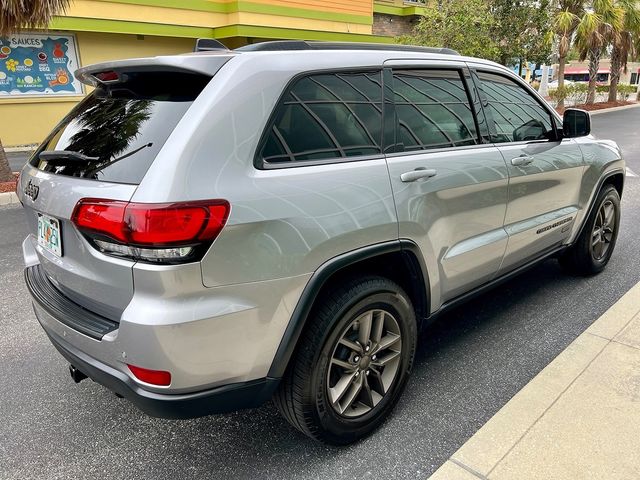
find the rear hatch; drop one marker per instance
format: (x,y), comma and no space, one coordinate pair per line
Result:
(101,150)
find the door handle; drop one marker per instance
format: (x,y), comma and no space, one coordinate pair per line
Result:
(417,174)
(522,160)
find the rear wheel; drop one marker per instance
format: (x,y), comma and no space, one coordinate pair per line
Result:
(594,247)
(352,363)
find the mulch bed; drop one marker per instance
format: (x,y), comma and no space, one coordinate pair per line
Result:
(596,106)
(9,186)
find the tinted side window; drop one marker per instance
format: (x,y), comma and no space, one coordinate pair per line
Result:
(324,116)
(433,110)
(516,114)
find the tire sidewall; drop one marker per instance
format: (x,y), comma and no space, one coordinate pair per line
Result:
(342,430)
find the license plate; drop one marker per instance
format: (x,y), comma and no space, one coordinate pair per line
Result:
(49,234)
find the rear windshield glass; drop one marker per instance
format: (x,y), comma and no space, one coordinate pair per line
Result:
(120,129)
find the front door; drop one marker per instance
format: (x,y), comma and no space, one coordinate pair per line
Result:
(544,172)
(449,185)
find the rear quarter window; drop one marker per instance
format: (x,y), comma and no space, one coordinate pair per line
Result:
(326,116)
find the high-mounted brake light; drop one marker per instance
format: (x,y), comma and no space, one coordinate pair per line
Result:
(167,232)
(153,377)
(107,77)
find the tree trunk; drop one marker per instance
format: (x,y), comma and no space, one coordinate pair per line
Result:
(594,65)
(561,64)
(616,67)
(5,170)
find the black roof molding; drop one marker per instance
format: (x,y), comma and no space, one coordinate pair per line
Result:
(284,45)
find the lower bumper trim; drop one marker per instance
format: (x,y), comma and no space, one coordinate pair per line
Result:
(226,398)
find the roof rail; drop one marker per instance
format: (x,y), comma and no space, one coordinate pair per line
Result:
(208,44)
(282,45)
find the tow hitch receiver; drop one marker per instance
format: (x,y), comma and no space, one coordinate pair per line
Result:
(76,374)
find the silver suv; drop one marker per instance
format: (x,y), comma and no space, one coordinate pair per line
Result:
(217,229)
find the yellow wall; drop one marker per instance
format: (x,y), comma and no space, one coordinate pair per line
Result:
(25,121)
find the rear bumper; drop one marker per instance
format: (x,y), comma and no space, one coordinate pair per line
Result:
(222,399)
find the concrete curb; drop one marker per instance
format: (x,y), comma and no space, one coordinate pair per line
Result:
(490,452)
(20,148)
(8,198)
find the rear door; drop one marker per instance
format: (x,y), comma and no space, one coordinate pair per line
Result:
(544,172)
(449,183)
(102,149)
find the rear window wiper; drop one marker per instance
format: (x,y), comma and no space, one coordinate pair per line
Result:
(54,157)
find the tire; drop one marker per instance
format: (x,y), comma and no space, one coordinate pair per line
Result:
(590,255)
(308,392)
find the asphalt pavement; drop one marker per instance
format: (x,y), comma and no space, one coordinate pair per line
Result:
(17,160)
(468,366)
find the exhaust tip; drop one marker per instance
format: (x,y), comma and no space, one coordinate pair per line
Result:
(76,374)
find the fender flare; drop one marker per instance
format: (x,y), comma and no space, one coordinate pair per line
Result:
(594,197)
(300,315)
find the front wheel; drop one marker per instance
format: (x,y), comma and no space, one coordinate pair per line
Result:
(594,247)
(353,361)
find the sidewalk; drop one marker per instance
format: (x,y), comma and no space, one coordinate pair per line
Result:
(577,419)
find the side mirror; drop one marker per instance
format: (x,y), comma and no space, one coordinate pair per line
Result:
(576,123)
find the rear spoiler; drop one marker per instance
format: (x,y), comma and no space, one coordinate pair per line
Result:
(111,72)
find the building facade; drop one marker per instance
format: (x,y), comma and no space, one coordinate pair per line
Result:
(37,87)
(579,72)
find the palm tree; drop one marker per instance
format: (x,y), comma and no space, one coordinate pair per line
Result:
(564,24)
(14,16)
(598,27)
(624,43)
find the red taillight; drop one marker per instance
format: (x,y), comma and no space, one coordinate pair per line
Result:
(105,217)
(149,227)
(174,224)
(154,377)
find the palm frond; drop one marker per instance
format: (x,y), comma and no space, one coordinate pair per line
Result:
(16,15)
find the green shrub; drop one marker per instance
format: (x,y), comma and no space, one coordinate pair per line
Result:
(602,88)
(558,94)
(577,92)
(625,91)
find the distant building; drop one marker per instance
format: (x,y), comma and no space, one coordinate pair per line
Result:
(579,72)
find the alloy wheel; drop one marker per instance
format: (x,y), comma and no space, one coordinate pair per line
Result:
(603,230)
(364,363)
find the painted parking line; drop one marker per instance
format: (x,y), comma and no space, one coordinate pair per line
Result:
(631,173)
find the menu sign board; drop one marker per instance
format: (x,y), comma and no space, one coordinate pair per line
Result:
(38,64)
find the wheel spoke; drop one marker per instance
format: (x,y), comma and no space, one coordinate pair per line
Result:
(378,326)
(352,345)
(386,358)
(354,389)
(598,249)
(367,397)
(386,341)
(340,388)
(375,381)
(595,242)
(609,211)
(343,363)
(364,328)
